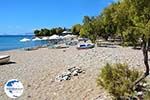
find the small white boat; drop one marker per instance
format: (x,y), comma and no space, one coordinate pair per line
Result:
(36,39)
(4,59)
(24,40)
(85,46)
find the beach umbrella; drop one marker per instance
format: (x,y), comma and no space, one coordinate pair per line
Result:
(25,40)
(45,38)
(36,39)
(69,36)
(61,37)
(67,32)
(54,37)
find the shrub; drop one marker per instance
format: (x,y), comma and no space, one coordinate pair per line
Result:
(117,79)
(147,95)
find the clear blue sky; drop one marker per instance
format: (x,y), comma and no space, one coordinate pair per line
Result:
(22,16)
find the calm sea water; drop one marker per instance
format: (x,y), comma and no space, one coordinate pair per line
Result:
(9,42)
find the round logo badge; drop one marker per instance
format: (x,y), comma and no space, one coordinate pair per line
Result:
(13,88)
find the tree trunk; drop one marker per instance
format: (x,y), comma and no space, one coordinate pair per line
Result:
(145,53)
(145,47)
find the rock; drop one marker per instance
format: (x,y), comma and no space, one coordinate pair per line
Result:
(64,50)
(140,84)
(144,84)
(83,71)
(139,93)
(73,71)
(79,70)
(29,85)
(66,77)
(58,78)
(67,73)
(29,96)
(138,87)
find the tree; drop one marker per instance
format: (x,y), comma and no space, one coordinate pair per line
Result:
(36,32)
(53,31)
(107,20)
(59,30)
(76,29)
(141,20)
(87,31)
(45,32)
(49,32)
(134,24)
(86,19)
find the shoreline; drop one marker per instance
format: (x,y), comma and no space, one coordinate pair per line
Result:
(38,69)
(16,43)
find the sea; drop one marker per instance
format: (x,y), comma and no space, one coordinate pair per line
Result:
(11,42)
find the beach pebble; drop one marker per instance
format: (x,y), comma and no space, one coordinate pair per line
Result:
(29,96)
(55,93)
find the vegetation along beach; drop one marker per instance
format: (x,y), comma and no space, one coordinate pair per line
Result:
(103,57)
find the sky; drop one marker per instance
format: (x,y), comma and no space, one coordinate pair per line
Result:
(24,16)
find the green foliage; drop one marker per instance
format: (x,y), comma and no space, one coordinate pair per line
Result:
(118,20)
(45,32)
(88,30)
(117,79)
(128,19)
(59,30)
(131,37)
(49,32)
(36,31)
(76,29)
(147,96)
(86,19)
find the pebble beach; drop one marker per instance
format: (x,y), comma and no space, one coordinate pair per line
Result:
(38,69)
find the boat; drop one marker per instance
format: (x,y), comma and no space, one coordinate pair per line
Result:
(85,46)
(4,59)
(24,40)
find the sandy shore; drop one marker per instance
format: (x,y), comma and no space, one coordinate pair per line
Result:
(37,71)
